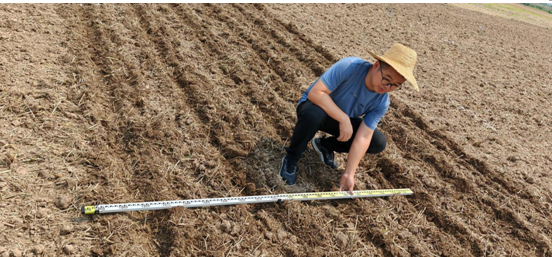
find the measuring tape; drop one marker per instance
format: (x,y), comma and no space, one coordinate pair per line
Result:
(148,206)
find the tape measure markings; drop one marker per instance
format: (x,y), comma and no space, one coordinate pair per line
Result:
(160,205)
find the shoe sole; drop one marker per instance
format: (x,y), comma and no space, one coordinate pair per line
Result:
(280,173)
(320,153)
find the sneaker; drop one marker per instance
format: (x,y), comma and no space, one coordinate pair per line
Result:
(288,171)
(327,157)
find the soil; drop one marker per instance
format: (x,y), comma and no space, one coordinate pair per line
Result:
(117,103)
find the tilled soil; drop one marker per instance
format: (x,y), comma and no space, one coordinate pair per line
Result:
(105,103)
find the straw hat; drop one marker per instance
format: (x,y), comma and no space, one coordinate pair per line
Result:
(402,59)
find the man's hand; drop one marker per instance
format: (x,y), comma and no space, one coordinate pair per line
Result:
(320,96)
(345,130)
(347,182)
(357,151)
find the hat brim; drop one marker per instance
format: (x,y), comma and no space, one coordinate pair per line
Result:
(404,72)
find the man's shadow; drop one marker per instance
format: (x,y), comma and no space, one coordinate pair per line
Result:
(262,165)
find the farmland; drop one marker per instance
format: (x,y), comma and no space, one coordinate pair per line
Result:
(116,103)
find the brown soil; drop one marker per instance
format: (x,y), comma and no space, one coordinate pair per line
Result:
(128,103)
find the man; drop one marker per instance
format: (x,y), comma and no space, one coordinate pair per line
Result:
(334,104)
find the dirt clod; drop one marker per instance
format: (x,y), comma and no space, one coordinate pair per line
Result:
(38,249)
(41,213)
(68,249)
(342,239)
(44,173)
(71,183)
(281,234)
(16,221)
(98,251)
(226,226)
(66,229)
(63,201)
(16,253)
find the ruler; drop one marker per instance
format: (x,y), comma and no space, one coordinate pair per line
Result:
(160,205)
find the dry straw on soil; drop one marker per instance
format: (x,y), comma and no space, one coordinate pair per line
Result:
(111,103)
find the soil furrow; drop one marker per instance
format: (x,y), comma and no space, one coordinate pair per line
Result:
(198,100)
(265,51)
(113,97)
(107,90)
(466,187)
(83,34)
(397,176)
(447,220)
(441,141)
(290,42)
(291,28)
(198,91)
(247,72)
(146,175)
(463,187)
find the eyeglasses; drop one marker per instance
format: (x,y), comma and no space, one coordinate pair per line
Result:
(387,83)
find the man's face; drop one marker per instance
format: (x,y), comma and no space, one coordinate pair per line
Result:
(389,80)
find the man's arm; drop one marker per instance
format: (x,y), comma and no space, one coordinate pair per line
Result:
(320,95)
(358,149)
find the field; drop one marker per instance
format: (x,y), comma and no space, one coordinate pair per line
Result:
(518,12)
(105,103)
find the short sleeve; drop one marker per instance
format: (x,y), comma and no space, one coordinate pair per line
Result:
(338,73)
(372,118)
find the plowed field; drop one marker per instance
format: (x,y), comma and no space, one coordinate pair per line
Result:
(105,103)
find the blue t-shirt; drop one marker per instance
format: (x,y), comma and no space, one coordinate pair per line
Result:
(345,80)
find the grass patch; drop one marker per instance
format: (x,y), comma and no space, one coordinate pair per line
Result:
(518,12)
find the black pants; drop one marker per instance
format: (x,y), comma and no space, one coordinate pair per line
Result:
(311,118)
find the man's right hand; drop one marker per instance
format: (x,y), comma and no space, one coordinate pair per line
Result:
(345,130)
(320,95)
(347,182)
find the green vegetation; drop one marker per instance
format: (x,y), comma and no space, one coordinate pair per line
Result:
(507,9)
(522,13)
(518,12)
(544,7)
